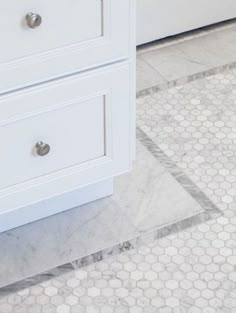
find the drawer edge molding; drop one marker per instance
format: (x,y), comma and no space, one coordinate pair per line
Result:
(33,194)
(57,175)
(19,116)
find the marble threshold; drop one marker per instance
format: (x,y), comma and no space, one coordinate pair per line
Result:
(188,79)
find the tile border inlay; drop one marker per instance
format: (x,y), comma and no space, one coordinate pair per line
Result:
(178,174)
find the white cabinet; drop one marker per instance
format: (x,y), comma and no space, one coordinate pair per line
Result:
(63,141)
(161,18)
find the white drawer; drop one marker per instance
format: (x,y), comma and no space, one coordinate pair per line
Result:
(70,135)
(72,36)
(62,23)
(80,119)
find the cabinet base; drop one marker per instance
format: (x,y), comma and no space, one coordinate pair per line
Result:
(19,217)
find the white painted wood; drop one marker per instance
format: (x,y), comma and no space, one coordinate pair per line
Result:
(58,204)
(132,45)
(62,24)
(48,102)
(161,18)
(75,133)
(70,84)
(73,37)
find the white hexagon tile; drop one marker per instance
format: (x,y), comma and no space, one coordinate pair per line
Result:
(192,271)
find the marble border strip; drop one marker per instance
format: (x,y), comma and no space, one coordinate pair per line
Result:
(185,80)
(209,211)
(178,174)
(116,250)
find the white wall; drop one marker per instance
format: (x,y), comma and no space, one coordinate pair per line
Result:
(161,18)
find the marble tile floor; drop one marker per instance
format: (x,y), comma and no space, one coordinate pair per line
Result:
(195,126)
(145,205)
(176,58)
(189,125)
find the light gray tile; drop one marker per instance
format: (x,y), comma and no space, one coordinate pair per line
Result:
(193,56)
(173,63)
(147,76)
(181,81)
(212,50)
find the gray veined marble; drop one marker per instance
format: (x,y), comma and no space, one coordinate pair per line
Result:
(162,85)
(147,76)
(148,203)
(193,56)
(178,174)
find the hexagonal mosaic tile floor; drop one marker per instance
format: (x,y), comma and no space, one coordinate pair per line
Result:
(191,271)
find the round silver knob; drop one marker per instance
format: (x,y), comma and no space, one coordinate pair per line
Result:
(33,20)
(42,148)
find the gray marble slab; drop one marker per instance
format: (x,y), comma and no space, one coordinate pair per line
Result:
(194,56)
(147,76)
(146,200)
(181,81)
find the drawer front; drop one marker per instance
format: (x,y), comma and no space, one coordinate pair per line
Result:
(42,40)
(79,118)
(61,23)
(51,141)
